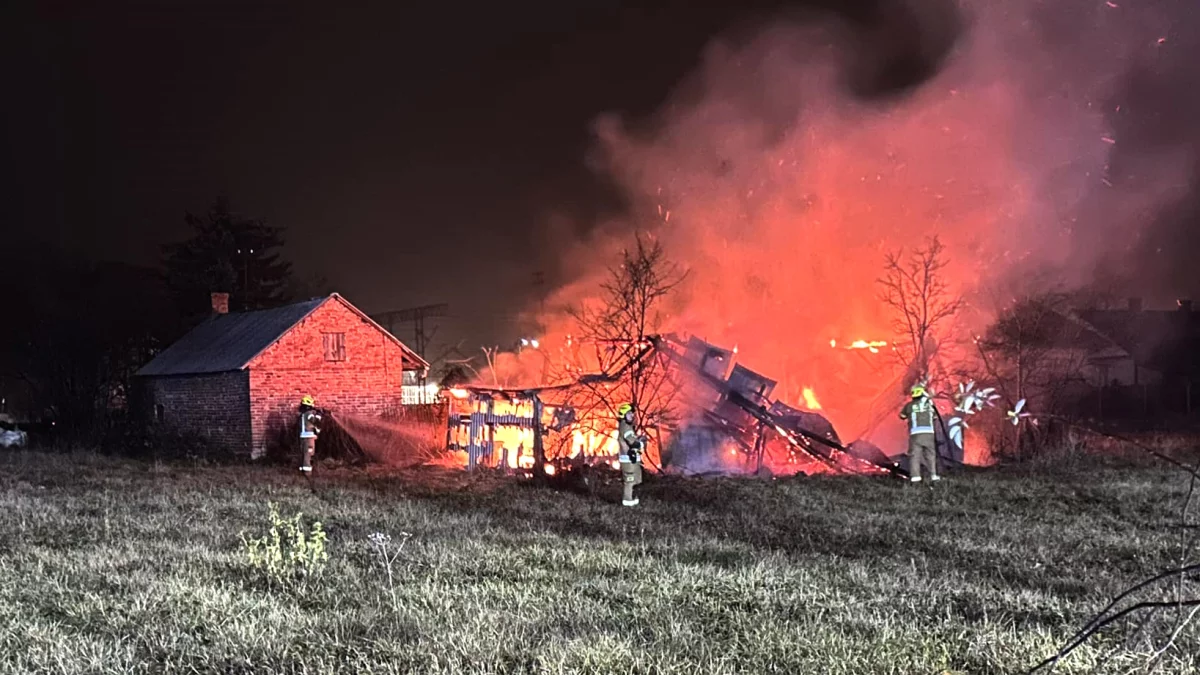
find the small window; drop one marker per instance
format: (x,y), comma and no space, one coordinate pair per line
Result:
(159,412)
(335,346)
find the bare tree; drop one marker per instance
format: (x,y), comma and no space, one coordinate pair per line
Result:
(490,354)
(914,286)
(613,339)
(1035,351)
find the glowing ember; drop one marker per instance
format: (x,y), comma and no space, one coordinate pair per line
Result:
(550,470)
(871,346)
(810,399)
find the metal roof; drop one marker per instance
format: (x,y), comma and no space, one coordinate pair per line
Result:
(228,341)
(231,341)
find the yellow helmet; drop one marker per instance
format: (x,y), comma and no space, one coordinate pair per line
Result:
(624,409)
(308,401)
(918,391)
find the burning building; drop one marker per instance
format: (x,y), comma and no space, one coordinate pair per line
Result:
(522,429)
(725,420)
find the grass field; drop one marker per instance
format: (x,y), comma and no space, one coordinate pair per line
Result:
(116,566)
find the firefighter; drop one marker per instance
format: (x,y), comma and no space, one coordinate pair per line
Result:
(922,450)
(310,428)
(631,452)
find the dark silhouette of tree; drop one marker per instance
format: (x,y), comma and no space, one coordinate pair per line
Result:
(613,332)
(78,332)
(1033,351)
(307,287)
(232,254)
(915,288)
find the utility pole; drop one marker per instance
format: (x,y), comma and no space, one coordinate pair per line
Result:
(417,316)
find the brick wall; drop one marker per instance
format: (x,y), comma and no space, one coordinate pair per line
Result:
(215,407)
(367,383)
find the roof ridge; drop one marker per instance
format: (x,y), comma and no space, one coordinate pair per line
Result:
(231,342)
(278,307)
(228,342)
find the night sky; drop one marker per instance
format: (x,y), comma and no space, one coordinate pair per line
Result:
(413,155)
(410,153)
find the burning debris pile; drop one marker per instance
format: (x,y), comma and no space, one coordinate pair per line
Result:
(725,420)
(732,408)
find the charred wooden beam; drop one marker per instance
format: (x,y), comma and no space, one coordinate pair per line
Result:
(799,438)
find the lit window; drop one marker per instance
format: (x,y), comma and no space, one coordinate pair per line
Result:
(335,346)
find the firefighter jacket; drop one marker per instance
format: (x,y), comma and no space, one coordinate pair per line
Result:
(919,413)
(310,424)
(631,445)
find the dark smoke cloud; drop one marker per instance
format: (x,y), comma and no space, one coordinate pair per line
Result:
(801,151)
(898,45)
(1159,107)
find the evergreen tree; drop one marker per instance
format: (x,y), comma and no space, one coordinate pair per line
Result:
(228,253)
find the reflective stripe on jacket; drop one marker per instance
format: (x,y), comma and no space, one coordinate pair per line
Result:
(308,424)
(627,439)
(919,413)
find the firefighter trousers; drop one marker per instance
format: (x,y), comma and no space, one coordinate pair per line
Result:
(922,452)
(631,475)
(308,447)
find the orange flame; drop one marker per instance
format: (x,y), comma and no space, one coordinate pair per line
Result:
(810,399)
(513,445)
(872,346)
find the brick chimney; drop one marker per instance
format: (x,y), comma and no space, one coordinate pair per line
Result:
(1185,305)
(220,303)
(1135,304)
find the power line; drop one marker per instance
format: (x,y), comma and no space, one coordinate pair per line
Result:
(417,316)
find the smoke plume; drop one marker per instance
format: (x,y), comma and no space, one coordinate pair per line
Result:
(793,159)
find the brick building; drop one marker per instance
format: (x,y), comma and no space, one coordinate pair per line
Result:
(237,379)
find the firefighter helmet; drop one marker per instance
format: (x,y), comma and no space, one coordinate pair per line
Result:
(624,409)
(308,401)
(918,391)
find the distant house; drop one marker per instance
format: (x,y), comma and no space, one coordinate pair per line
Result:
(1126,362)
(1157,343)
(1162,351)
(1081,352)
(237,379)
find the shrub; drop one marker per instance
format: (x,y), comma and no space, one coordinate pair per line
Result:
(287,554)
